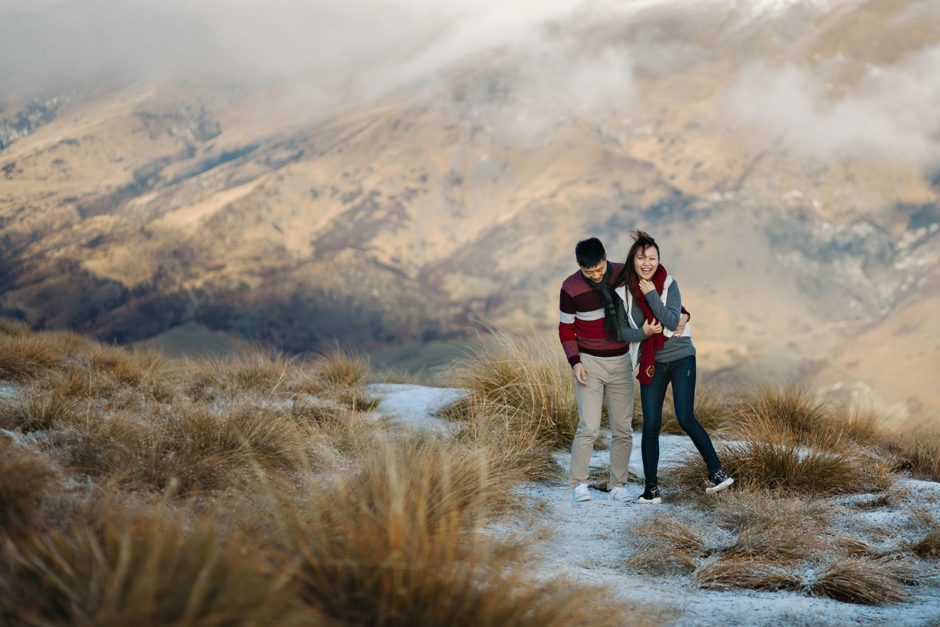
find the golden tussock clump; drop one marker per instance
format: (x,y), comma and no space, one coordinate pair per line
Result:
(666,546)
(529,374)
(141,569)
(26,478)
(734,573)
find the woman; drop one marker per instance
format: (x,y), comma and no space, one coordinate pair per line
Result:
(652,302)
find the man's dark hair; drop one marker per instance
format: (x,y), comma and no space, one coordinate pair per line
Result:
(589,252)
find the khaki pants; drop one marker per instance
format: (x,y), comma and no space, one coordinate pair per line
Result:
(613,379)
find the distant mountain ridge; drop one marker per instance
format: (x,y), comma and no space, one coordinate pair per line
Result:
(144,206)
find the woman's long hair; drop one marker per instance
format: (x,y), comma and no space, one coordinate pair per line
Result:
(641,240)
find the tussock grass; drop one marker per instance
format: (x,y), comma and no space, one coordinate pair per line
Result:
(927,547)
(400,543)
(150,570)
(793,415)
(13,327)
(24,357)
(37,410)
(805,469)
(788,468)
(666,546)
(209,492)
(529,374)
(860,581)
(26,475)
(787,538)
(507,436)
(191,448)
(780,411)
(343,368)
(255,371)
(918,450)
(736,573)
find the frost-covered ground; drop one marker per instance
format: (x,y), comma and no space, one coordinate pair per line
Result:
(590,541)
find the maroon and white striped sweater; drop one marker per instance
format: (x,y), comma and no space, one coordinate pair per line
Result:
(581,324)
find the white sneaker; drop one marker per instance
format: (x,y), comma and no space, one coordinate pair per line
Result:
(581,493)
(618,494)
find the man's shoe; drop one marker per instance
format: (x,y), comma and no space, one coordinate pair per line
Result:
(650,495)
(581,493)
(619,494)
(718,481)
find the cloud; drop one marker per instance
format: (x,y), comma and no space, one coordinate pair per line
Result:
(889,113)
(522,64)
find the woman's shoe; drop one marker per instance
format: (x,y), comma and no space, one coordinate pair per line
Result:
(718,481)
(650,495)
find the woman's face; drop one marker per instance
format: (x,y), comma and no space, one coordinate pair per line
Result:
(646,262)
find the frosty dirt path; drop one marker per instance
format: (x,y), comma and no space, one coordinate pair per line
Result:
(589,541)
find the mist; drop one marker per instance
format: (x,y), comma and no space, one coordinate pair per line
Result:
(521,64)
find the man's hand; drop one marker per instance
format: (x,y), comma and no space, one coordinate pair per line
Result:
(579,374)
(652,328)
(683,319)
(646,286)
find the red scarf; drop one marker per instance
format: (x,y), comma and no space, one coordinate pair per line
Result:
(654,342)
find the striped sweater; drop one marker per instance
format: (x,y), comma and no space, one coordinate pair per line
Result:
(581,324)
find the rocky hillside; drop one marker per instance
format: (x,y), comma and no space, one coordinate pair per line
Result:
(786,159)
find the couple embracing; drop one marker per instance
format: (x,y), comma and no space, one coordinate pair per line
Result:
(617,318)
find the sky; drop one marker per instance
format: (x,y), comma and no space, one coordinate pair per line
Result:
(551,58)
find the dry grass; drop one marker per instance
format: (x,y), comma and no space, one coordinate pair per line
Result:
(509,439)
(26,475)
(780,411)
(777,532)
(37,410)
(861,581)
(666,546)
(788,468)
(792,414)
(918,450)
(13,327)
(24,357)
(255,371)
(256,490)
(749,574)
(400,543)
(529,374)
(150,570)
(343,368)
(191,448)
(927,547)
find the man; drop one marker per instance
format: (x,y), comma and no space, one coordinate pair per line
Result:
(600,362)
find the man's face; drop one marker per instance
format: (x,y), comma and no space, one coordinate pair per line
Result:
(596,273)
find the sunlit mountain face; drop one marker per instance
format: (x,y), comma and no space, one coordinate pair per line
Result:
(385,174)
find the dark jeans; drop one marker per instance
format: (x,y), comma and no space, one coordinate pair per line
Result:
(682,375)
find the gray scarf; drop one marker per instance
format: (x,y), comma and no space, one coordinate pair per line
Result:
(615,316)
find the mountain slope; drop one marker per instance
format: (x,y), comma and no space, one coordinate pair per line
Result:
(785,160)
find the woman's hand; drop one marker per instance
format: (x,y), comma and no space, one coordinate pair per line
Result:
(652,328)
(646,286)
